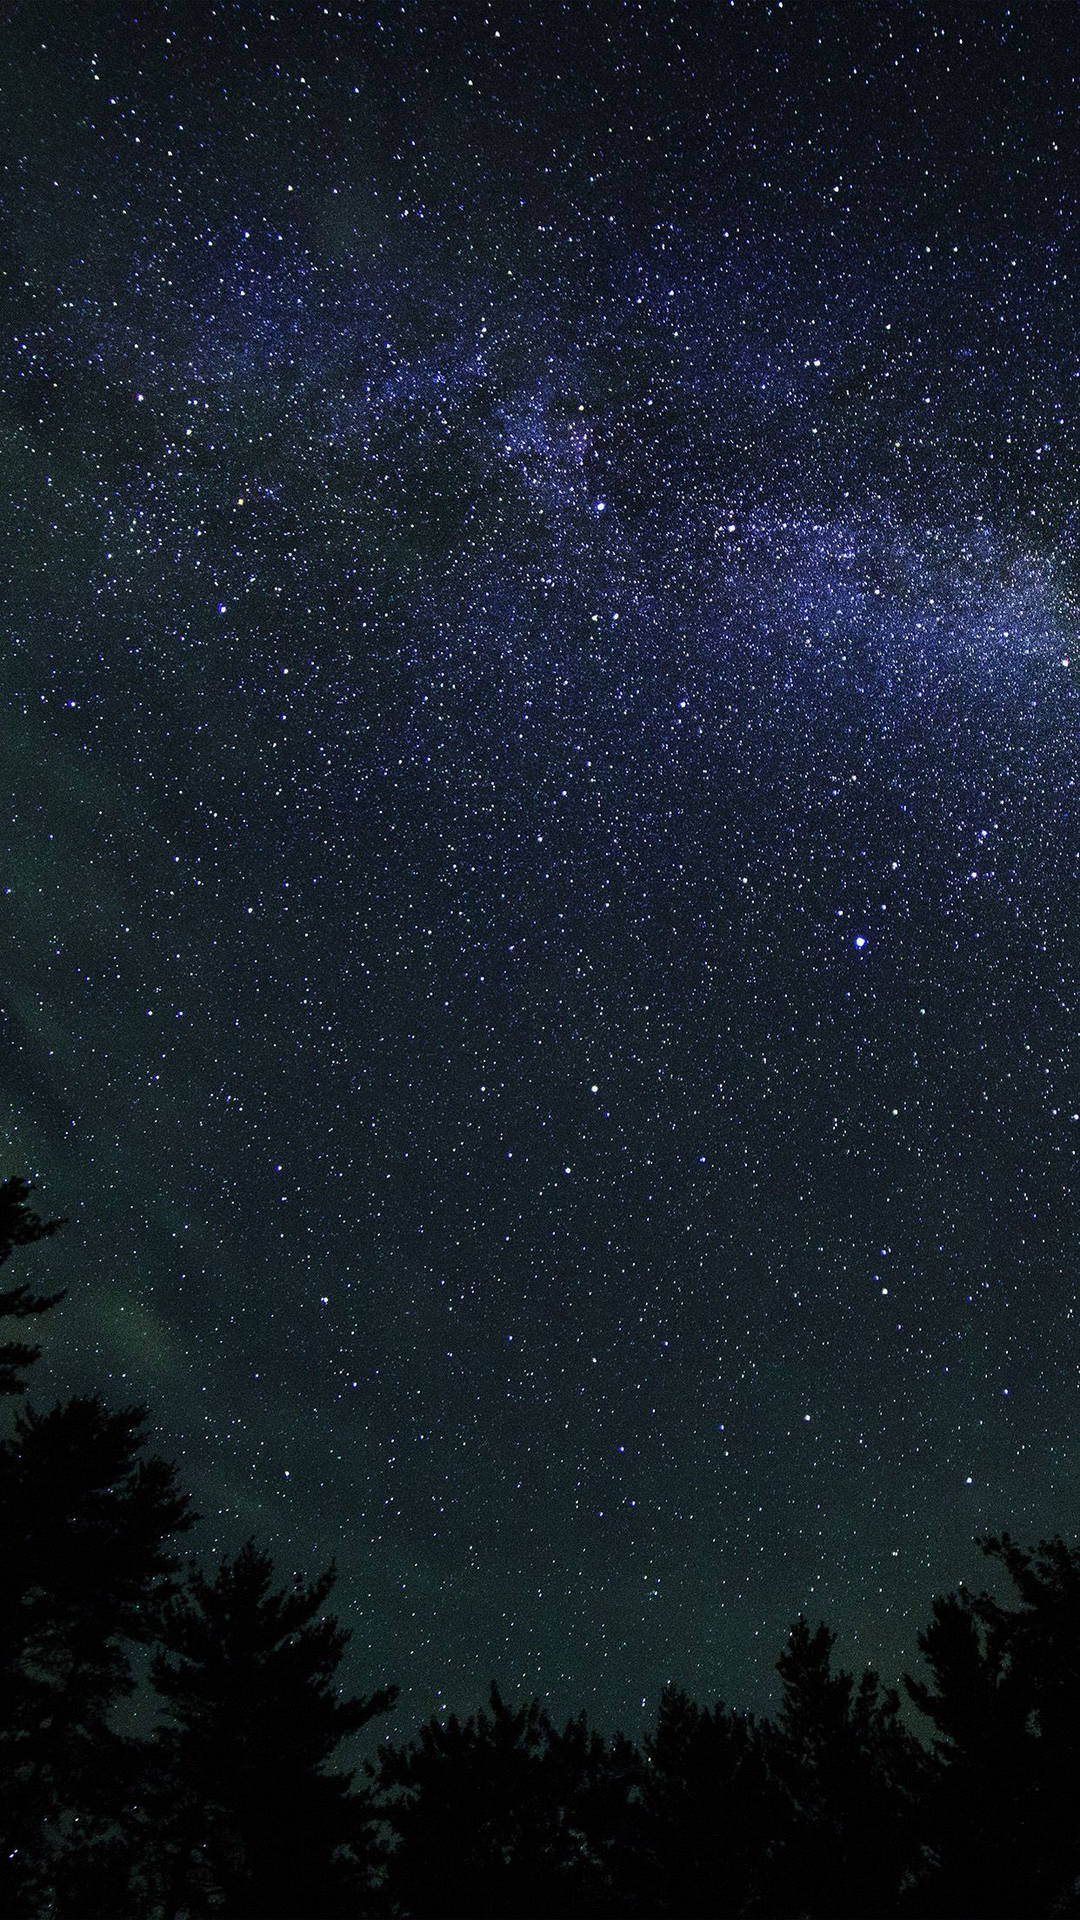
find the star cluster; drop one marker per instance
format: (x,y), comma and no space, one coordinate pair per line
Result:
(540,746)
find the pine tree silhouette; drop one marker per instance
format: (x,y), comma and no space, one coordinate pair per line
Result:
(850,1778)
(503,1815)
(708,1812)
(20,1227)
(1004,1699)
(86,1525)
(251,1819)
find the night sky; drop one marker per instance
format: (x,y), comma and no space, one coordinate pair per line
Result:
(539,765)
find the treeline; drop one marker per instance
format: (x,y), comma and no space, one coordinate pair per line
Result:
(237,1804)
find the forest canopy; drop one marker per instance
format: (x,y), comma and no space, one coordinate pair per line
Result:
(239,1802)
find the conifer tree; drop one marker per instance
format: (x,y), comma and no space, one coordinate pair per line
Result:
(87,1519)
(850,1778)
(20,1226)
(1003,1696)
(707,1815)
(502,1814)
(253,1820)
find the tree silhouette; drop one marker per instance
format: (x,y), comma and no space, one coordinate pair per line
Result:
(850,1777)
(707,1813)
(20,1227)
(249,1818)
(1043,1639)
(239,1806)
(1004,1698)
(86,1524)
(503,1814)
(594,1786)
